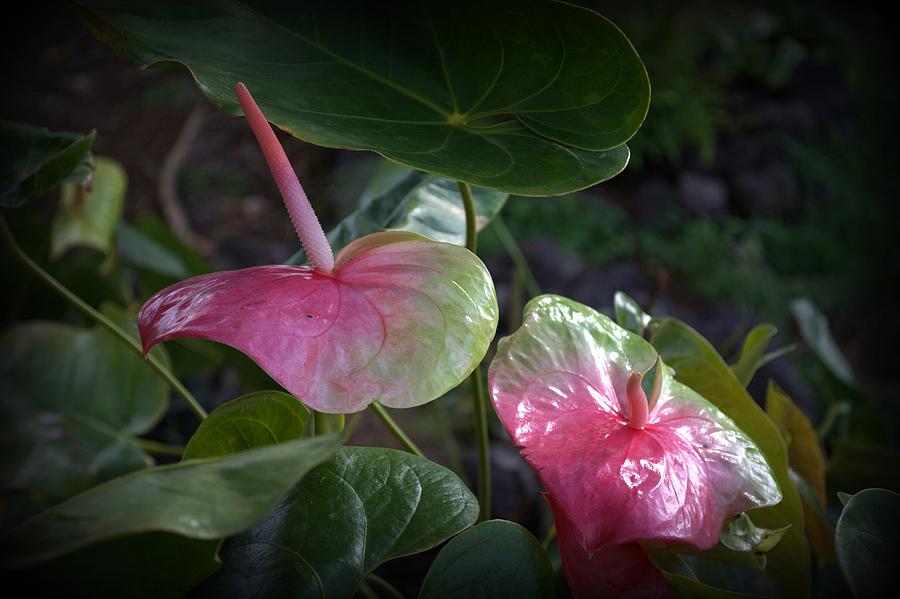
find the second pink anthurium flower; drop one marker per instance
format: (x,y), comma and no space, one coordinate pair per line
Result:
(619,467)
(395,317)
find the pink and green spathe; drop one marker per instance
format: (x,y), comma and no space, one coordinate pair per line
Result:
(619,467)
(395,318)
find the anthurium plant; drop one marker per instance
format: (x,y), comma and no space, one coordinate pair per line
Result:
(661,474)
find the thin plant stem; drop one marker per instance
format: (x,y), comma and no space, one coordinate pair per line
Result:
(366,592)
(155,447)
(395,429)
(320,423)
(516,255)
(469,205)
(484,448)
(389,590)
(548,538)
(99,318)
(481,428)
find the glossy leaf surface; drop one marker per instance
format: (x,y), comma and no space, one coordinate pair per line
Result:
(73,400)
(401,320)
(33,161)
(417,202)
(531,97)
(867,539)
(200,499)
(698,365)
(629,314)
(87,217)
(254,420)
(360,508)
(492,559)
(561,386)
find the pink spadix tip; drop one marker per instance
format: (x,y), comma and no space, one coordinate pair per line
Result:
(303,217)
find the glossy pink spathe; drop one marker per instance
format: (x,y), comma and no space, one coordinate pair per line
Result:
(619,467)
(307,226)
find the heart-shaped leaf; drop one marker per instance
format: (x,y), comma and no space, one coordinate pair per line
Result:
(698,365)
(495,558)
(621,468)
(254,420)
(867,540)
(87,217)
(33,161)
(73,401)
(360,508)
(416,202)
(401,320)
(200,499)
(531,97)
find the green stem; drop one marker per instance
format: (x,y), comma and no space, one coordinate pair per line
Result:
(366,592)
(484,448)
(481,428)
(516,255)
(395,429)
(320,423)
(469,205)
(389,590)
(548,538)
(155,447)
(99,318)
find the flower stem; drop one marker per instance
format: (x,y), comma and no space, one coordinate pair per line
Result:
(516,255)
(155,447)
(395,429)
(99,318)
(484,448)
(469,205)
(481,427)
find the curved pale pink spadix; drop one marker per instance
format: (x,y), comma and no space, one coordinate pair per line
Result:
(565,387)
(398,319)
(308,228)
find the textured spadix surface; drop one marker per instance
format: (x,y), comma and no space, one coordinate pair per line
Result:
(401,320)
(559,387)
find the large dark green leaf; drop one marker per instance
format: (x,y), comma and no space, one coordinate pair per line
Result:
(867,540)
(360,508)
(699,366)
(529,96)
(700,579)
(417,202)
(494,559)
(200,499)
(72,401)
(33,161)
(254,420)
(87,217)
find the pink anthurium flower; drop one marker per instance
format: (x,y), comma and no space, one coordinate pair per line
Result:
(395,317)
(619,468)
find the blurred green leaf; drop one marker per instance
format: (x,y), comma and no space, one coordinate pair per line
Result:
(414,201)
(753,356)
(854,466)
(360,508)
(73,400)
(699,366)
(33,161)
(492,559)
(87,217)
(473,92)
(807,460)
(681,572)
(254,420)
(629,314)
(203,499)
(140,251)
(867,540)
(151,280)
(815,332)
